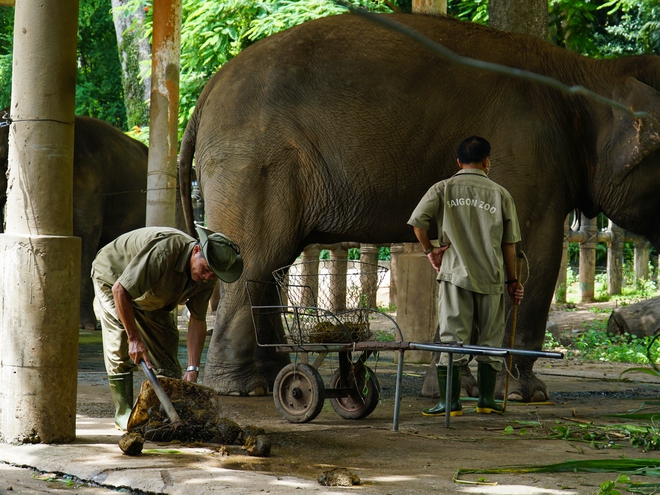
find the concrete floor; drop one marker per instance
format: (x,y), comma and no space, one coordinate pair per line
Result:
(423,457)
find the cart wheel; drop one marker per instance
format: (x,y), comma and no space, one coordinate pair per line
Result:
(357,405)
(299,393)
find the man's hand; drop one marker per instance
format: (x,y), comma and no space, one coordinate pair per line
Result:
(516,292)
(138,351)
(436,253)
(435,256)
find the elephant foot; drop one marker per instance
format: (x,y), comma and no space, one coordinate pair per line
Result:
(468,383)
(255,392)
(269,363)
(87,321)
(527,388)
(244,381)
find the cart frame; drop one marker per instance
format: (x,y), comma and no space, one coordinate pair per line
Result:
(301,383)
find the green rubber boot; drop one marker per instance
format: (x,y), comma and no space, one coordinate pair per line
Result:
(439,408)
(486,380)
(121,387)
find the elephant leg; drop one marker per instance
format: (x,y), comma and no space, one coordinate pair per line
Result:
(87,226)
(524,384)
(270,362)
(230,366)
(543,251)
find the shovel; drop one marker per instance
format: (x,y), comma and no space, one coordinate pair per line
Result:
(162,396)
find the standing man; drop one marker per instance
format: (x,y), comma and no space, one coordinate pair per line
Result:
(477,230)
(139,279)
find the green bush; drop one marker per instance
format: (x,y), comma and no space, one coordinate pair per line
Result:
(597,345)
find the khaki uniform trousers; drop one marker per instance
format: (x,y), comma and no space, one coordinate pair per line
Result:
(457,308)
(158,331)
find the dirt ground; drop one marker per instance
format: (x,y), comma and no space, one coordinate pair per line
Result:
(424,456)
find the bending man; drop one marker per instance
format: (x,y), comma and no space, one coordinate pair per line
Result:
(139,279)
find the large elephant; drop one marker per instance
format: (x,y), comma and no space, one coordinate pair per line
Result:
(109,193)
(333,130)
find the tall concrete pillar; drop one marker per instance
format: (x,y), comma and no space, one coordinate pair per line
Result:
(615,260)
(588,260)
(642,252)
(417,301)
(369,276)
(338,271)
(40,270)
(395,251)
(164,114)
(310,275)
(562,278)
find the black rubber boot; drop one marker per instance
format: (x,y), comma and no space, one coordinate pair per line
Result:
(121,388)
(486,380)
(456,408)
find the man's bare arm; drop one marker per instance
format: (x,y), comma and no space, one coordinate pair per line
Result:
(124,304)
(514,289)
(196,338)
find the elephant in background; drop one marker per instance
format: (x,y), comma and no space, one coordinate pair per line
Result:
(333,130)
(109,193)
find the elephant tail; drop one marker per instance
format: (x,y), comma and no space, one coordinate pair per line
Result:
(185,171)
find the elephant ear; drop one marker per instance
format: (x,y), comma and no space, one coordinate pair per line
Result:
(629,140)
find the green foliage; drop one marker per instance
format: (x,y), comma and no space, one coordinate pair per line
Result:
(596,344)
(140,133)
(212,33)
(600,288)
(469,10)
(382,336)
(354,254)
(614,487)
(99,90)
(550,342)
(98,81)
(571,24)
(647,438)
(6,52)
(606,29)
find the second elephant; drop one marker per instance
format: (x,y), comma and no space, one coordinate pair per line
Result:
(109,193)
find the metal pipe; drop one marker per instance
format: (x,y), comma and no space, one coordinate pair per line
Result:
(450,373)
(397,391)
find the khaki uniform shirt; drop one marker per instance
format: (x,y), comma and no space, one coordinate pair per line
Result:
(475,215)
(153,265)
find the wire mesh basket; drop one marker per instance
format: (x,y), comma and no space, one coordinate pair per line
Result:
(329,301)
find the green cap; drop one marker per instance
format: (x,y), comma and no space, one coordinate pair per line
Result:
(222,255)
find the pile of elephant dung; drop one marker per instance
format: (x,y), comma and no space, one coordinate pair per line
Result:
(338,477)
(326,332)
(201,420)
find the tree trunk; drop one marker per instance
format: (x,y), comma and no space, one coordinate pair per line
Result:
(133,49)
(520,16)
(436,7)
(641,319)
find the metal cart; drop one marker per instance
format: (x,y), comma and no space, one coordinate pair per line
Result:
(326,308)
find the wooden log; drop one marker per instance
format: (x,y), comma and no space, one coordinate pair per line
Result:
(641,319)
